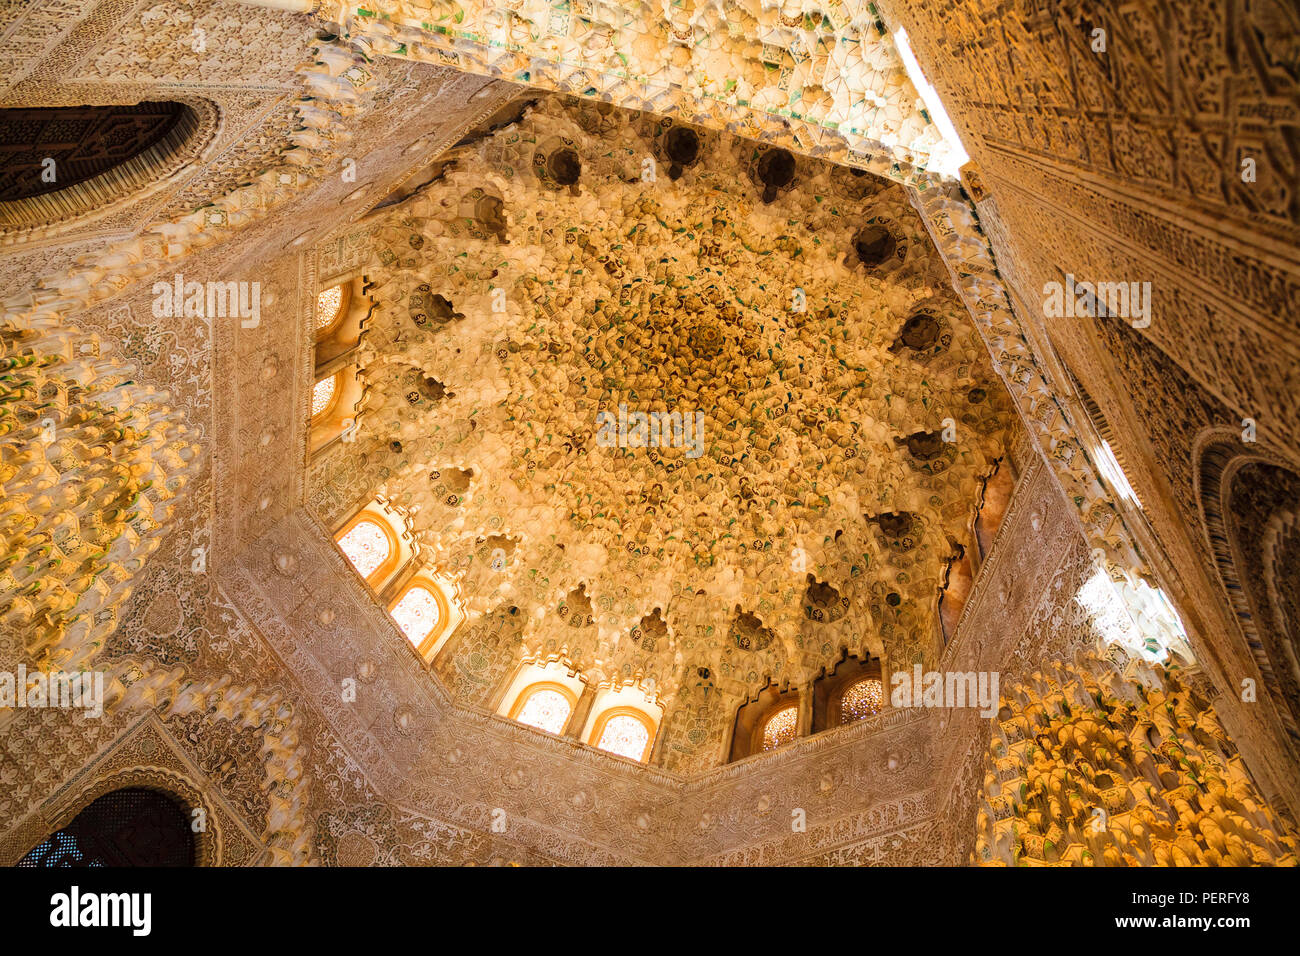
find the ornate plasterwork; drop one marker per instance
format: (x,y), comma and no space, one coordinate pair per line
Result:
(168,635)
(448,769)
(50,361)
(1108,761)
(151,171)
(146,755)
(365,785)
(822,77)
(95,57)
(819,391)
(89,465)
(1168,156)
(1023,609)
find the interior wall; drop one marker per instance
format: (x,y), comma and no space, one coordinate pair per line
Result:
(319,782)
(1111,145)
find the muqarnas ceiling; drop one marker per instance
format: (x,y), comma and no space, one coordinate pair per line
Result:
(587,260)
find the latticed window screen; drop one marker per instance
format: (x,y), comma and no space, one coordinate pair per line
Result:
(327,306)
(322,394)
(546,710)
(625,736)
(417,613)
(366,546)
(862,699)
(781,728)
(134,826)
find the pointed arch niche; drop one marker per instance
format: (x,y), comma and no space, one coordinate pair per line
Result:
(61,166)
(846,693)
(1250,508)
(340,318)
(772,719)
(136,824)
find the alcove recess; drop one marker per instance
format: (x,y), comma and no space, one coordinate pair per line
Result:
(338,338)
(828,690)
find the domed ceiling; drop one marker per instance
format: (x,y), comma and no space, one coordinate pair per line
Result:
(840,413)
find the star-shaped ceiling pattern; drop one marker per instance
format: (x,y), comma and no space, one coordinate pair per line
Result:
(587,258)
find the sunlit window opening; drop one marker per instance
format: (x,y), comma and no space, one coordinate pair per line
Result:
(948,159)
(1110,469)
(366,546)
(1147,623)
(626,736)
(546,710)
(862,699)
(1176,619)
(1098,598)
(417,613)
(781,727)
(328,304)
(322,395)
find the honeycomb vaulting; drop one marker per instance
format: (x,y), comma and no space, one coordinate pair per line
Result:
(839,413)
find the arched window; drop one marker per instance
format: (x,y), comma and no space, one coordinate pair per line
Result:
(330,307)
(861,699)
(341,311)
(134,826)
(847,692)
(771,718)
(368,545)
(546,707)
(323,396)
(334,400)
(428,610)
(378,543)
(781,728)
(624,731)
(626,736)
(418,613)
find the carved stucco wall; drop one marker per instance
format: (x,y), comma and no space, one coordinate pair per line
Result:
(1126,164)
(403,777)
(231,65)
(175,643)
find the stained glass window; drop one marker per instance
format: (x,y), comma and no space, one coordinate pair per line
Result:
(780,727)
(546,710)
(417,613)
(321,395)
(366,546)
(861,700)
(624,735)
(327,306)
